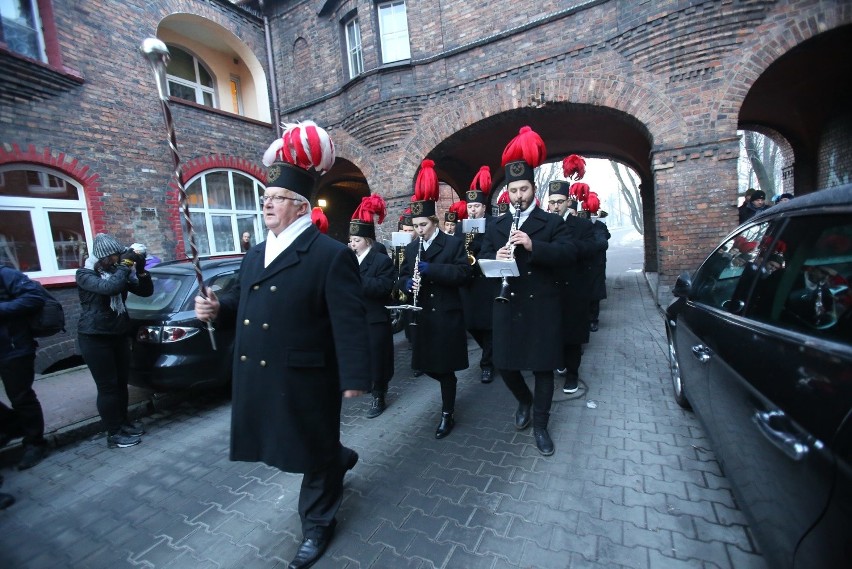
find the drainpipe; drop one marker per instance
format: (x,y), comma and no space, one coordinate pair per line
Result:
(270,62)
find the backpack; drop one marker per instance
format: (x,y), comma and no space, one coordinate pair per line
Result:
(50,318)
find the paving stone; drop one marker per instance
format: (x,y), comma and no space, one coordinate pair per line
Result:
(396,539)
(613,553)
(500,546)
(429,550)
(464,559)
(457,512)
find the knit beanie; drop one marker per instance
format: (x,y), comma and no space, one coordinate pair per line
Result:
(106,245)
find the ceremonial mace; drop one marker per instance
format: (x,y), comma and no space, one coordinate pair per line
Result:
(157,54)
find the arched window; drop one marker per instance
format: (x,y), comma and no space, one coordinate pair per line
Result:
(189,78)
(224,204)
(44,226)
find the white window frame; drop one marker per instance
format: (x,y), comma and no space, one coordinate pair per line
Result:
(354,52)
(39,31)
(39,210)
(197,86)
(234,214)
(389,38)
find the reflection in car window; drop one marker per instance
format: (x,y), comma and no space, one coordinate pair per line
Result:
(804,278)
(220,284)
(716,283)
(165,295)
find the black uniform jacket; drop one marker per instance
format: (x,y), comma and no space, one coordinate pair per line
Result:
(478,296)
(528,329)
(598,285)
(377,280)
(576,279)
(300,342)
(440,340)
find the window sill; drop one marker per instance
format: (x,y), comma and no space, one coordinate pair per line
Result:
(185,103)
(62,281)
(30,79)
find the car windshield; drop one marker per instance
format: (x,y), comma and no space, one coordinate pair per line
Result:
(169,292)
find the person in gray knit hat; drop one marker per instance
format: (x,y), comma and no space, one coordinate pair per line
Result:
(109,274)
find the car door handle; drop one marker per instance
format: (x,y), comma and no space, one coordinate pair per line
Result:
(702,353)
(773,425)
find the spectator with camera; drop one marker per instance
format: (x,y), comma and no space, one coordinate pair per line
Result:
(109,274)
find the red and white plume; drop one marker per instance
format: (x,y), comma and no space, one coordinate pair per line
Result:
(319,219)
(426,184)
(503,198)
(579,190)
(460,208)
(574,167)
(303,144)
(369,207)
(482,180)
(592,204)
(527,146)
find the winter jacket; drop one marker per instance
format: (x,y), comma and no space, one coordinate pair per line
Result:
(96,314)
(19,299)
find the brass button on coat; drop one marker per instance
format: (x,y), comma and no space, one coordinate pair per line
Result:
(255,287)
(262,363)
(273,288)
(265,326)
(243,358)
(246,322)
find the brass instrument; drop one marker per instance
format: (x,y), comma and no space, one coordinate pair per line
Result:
(468,239)
(400,260)
(504,285)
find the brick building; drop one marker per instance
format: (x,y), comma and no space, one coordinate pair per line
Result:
(662,87)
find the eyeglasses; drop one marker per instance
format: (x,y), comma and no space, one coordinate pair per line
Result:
(277,199)
(557,202)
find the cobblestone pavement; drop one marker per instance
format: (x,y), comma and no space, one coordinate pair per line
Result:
(632,483)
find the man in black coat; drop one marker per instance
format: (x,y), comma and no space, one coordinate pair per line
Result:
(597,288)
(527,328)
(300,344)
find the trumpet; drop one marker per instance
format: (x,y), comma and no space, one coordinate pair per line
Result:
(504,285)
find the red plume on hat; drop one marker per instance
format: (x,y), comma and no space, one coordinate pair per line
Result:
(527,146)
(319,219)
(592,204)
(579,190)
(460,209)
(503,198)
(369,207)
(305,145)
(574,167)
(426,184)
(482,180)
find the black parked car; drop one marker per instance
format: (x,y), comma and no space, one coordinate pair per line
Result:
(760,344)
(171,349)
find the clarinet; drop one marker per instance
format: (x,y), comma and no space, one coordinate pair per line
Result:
(504,285)
(415,278)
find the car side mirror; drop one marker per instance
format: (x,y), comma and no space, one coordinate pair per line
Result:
(682,286)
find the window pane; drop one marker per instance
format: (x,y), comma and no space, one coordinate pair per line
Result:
(181,64)
(193,194)
(718,282)
(246,224)
(181,91)
(393,26)
(207,99)
(69,238)
(244,193)
(204,77)
(218,191)
(33,184)
(201,240)
(17,241)
(20,31)
(223,234)
(353,45)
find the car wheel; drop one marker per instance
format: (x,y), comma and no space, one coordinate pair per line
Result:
(674,368)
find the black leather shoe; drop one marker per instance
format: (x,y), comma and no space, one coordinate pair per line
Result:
(543,441)
(353,459)
(487,376)
(377,407)
(446,425)
(522,416)
(593,326)
(310,550)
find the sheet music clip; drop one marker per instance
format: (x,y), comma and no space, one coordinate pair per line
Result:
(477,225)
(401,238)
(498,268)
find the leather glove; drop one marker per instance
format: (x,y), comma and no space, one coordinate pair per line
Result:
(423,267)
(128,254)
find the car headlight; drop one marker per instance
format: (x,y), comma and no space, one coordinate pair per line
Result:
(164,334)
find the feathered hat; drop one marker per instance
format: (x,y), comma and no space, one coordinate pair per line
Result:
(579,191)
(574,167)
(523,155)
(592,204)
(405,219)
(298,158)
(558,188)
(425,191)
(363,220)
(503,202)
(457,212)
(480,187)
(319,219)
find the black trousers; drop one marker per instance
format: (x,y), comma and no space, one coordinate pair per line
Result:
(321,495)
(108,358)
(25,418)
(448,383)
(541,399)
(573,355)
(483,338)
(594,310)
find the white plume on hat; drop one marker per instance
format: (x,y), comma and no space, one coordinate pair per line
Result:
(303,144)
(139,248)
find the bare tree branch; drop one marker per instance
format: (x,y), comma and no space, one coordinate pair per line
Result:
(631,196)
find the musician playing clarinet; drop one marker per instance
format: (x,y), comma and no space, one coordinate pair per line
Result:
(435,267)
(527,330)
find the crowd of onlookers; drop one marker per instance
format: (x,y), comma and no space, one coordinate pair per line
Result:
(755,202)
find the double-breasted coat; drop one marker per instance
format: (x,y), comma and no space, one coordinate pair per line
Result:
(478,295)
(440,340)
(598,264)
(299,343)
(377,280)
(527,330)
(576,279)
